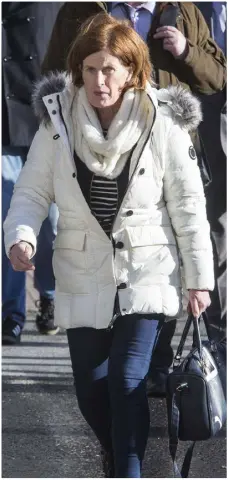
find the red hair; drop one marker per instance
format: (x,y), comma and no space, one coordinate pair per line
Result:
(103,32)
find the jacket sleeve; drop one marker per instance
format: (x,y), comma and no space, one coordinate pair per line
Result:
(184,195)
(33,193)
(205,64)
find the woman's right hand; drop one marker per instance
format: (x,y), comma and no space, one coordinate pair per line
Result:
(20,255)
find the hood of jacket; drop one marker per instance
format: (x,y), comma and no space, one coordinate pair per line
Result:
(185,108)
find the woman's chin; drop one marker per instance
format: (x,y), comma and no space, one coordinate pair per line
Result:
(101,103)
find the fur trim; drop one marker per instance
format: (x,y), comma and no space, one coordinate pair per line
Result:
(185,106)
(52,83)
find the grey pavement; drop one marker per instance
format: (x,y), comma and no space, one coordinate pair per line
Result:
(43,432)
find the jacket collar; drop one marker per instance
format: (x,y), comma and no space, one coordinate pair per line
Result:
(53,96)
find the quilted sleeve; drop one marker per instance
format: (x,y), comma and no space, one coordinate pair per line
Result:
(186,204)
(33,193)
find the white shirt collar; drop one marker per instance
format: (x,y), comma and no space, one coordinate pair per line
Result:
(150,6)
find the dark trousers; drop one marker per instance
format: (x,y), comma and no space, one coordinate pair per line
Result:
(163,354)
(110,369)
(216,206)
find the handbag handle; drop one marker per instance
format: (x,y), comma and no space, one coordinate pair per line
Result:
(207,325)
(184,335)
(197,336)
(183,339)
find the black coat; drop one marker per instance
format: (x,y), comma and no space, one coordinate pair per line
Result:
(26,30)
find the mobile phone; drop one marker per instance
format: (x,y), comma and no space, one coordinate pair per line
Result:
(169,16)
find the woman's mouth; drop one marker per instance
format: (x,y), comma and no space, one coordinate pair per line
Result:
(100,94)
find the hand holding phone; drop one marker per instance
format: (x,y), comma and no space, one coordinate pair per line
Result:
(173,41)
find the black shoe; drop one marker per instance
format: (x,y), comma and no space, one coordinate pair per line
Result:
(45,317)
(11,332)
(107,464)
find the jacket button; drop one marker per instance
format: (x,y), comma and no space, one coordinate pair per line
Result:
(121,286)
(53,112)
(50,100)
(141,171)
(129,213)
(119,245)
(74,175)
(124,309)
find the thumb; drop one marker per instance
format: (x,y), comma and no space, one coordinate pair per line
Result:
(28,251)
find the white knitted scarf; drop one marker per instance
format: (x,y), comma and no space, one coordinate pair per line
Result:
(107,156)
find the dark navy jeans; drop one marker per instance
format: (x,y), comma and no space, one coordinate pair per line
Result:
(110,369)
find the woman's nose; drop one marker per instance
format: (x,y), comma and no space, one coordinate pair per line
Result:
(100,79)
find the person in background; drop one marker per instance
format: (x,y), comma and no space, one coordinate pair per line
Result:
(26,29)
(115,155)
(181,53)
(215,14)
(213,133)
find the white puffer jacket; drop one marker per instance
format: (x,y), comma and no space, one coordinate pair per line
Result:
(163,211)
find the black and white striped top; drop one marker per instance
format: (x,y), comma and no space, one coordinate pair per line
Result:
(103,195)
(104,201)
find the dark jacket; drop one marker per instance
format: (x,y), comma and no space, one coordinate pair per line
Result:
(203,70)
(26,29)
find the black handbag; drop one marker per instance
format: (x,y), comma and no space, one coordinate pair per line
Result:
(196,404)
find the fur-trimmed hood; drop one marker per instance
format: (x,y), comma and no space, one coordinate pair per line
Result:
(185,107)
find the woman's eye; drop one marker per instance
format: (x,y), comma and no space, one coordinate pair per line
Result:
(89,69)
(108,70)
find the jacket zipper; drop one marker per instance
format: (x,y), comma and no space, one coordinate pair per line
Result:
(115,315)
(132,175)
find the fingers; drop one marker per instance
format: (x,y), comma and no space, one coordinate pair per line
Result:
(199,302)
(168,44)
(21,264)
(167,28)
(195,307)
(20,255)
(164,32)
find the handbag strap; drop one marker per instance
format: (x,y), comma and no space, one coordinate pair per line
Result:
(183,339)
(184,335)
(207,326)
(197,336)
(173,438)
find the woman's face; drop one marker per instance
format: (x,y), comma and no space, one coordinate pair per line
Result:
(104,78)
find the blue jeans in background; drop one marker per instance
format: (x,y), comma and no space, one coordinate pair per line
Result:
(13,283)
(110,369)
(44,280)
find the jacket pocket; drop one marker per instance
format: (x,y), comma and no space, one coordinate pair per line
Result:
(152,255)
(70,239)
(70,262)
(150,235)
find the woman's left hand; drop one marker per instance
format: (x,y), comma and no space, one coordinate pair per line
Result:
(199,301)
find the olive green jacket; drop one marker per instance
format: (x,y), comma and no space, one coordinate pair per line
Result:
(203,70)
